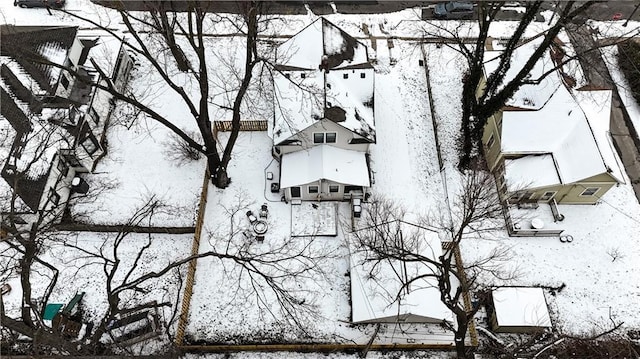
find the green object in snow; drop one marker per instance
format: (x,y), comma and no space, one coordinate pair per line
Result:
(51,310)
(76,299)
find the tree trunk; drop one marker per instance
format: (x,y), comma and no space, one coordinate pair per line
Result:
(221,179)
(460,334)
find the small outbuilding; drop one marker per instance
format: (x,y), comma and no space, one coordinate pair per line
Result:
(519,310)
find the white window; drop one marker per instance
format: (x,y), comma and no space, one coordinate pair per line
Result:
(334,188)
(313,189)
(590,191)
(90,145)
(322,137)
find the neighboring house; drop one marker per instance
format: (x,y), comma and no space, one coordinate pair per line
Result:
(551,141)
(53,124)
(323,114)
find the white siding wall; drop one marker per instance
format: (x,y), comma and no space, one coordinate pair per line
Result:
(343,136)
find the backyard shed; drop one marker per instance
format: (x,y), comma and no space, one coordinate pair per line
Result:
(377,292)
(519,310)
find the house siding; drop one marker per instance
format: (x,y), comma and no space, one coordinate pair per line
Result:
(492,128)
(323,191)
(343,136)
(571,193)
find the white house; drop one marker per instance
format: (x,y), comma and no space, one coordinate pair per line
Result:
(324,98)
(56,120)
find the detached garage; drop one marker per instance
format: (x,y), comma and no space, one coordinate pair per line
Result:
(519,310)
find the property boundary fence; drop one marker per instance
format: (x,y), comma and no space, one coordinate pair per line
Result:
(473,334)
(307,348)
(191,271)
(225,126)
(86,227)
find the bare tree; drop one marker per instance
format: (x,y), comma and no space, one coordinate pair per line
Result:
(174,44)
(268,274)
(381,238)
(481,102)
(29,228)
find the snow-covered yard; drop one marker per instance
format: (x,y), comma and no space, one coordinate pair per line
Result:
(81,259)
(407,174)
(598,268)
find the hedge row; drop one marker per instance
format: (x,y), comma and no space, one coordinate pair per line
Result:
(629,62)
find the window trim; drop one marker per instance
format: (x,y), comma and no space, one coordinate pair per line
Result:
(597,189)
(299,192)
(317,189)
(336,186)
(491,141)
(322,137)
(553,194)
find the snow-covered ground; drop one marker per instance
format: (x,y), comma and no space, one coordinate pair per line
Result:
(136,169)
(409,174)
(81,261)
(597,267)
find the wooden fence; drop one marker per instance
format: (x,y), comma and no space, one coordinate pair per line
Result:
(191,271)
(225,126)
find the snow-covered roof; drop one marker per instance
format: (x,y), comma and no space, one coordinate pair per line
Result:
(518,172)
(571,127)
(322,40)
(528,96)
(324,162)
(597,109)
(374,289)
(520,307)
(323,73)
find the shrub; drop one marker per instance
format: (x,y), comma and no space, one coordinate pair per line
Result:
(179,150)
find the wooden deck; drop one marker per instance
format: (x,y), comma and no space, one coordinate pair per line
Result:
(225,126)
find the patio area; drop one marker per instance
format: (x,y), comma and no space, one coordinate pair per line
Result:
(536,219)
(314,219)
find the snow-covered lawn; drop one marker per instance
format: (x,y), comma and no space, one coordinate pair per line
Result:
(224,307)
(136,169)
(80,271)
(597,267)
